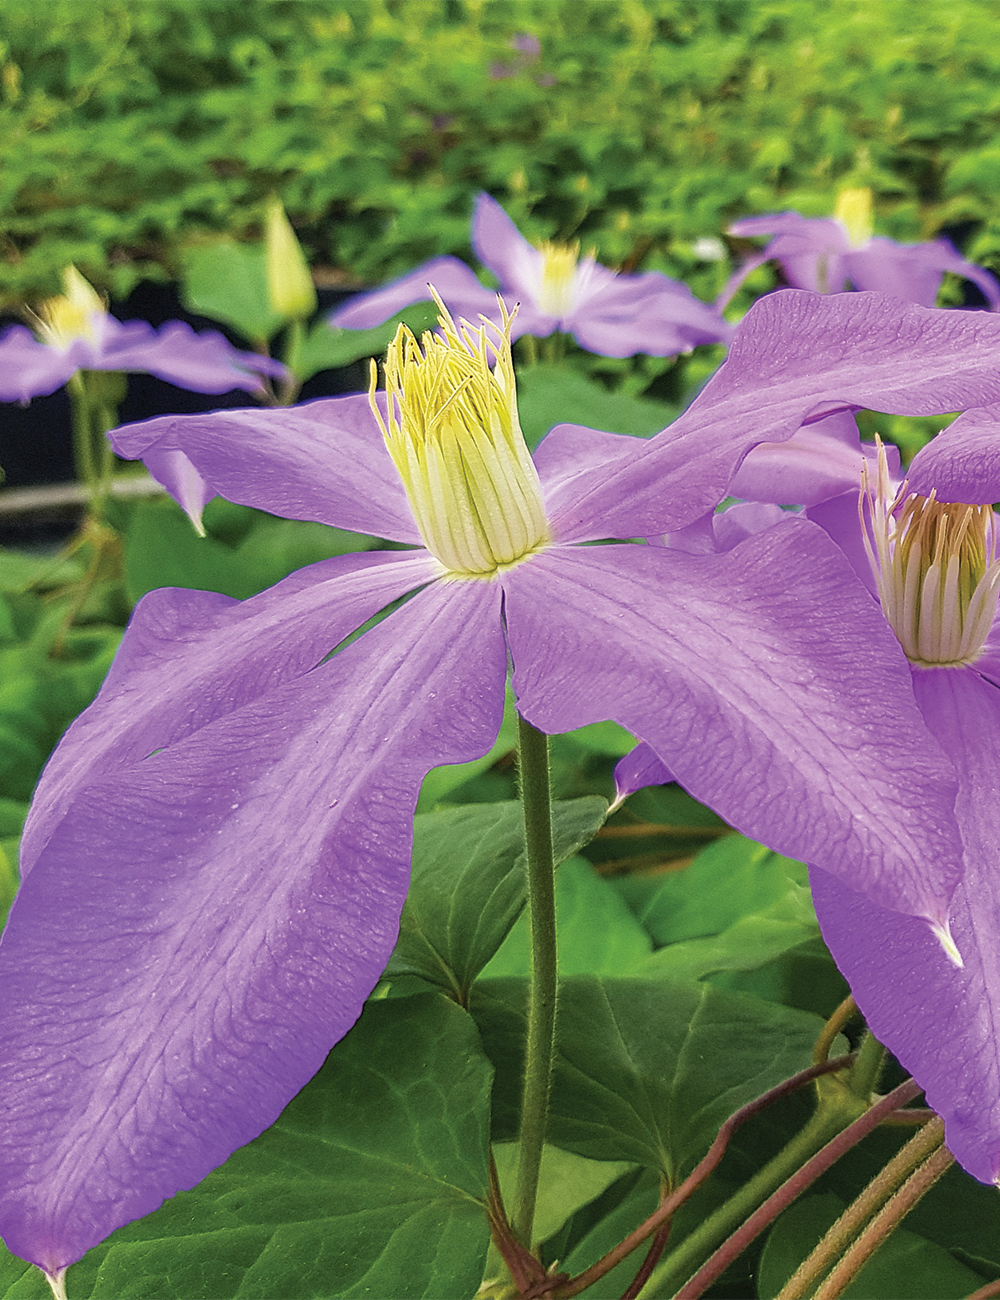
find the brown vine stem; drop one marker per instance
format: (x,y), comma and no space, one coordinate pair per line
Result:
(852,1222)
(919,1182)
(986,1292)
(804,1177)
(669,1206)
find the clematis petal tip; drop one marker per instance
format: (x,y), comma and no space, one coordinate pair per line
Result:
(57,1281)
(942,932)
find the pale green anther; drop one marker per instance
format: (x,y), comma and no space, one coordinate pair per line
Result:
(454,435)
(854,212)
(936,568)
(72,315)
(290,287)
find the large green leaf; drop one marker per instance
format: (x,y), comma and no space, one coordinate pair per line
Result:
(906,1267)
(597,934)
(468,886)
(371,1183)
(227,281)
(549,395)
(647,1069)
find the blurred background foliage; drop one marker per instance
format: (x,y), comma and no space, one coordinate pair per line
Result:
(131,130)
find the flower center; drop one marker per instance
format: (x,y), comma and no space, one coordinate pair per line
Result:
(72,315)
(558,290)
(854,212)
(936,567)
(453,432)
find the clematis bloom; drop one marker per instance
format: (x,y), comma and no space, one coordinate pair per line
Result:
(226,831)
(75,332)
(828,254)
(555,289)
(926,548)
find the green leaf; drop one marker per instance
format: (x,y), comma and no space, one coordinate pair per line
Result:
(468,886)
(750,942)
(567,1183)
(597,934)
(371,1183)
(737,906)
(729,879)
(906,1267)
(550,395)
(227,281)
(328,347)
(647,1069)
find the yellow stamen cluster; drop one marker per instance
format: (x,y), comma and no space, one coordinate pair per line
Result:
(936,567)
(72,315)
(557,291)
(453,432)
(854,212)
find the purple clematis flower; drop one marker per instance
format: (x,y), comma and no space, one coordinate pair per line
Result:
(76,333)
(928,553)
(613,315)
(828,254)
(218,851)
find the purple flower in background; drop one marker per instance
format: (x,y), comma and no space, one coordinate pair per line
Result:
(829,254)
(928,554)
(225,833)
(78,334)
(556,289)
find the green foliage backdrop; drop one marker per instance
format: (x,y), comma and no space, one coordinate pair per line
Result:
(129,129)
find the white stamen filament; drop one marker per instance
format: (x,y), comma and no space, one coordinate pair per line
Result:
(936,568)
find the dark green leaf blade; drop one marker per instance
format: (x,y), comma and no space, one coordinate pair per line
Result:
(468,886)
(647,1069)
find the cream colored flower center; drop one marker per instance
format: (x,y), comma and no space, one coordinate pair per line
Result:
(453,432)
(854,212)
(557,292)
(72,315)
(936,567)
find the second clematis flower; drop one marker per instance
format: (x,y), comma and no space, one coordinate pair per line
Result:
(218,851)
(830,254)
(75,332)
(555,289)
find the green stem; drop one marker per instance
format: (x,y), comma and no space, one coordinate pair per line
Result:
(291,386)
(811,1152)
(849,1244)
(83,446)
(536,801)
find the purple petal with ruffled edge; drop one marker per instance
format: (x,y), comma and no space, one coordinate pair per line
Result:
(640,767)
(644,313)
(943,1023)
(31,369)
(502,248)
(325,461)
(782,698)
(213,960)
(182,481)
(190,657)
(914,271)
(795,355)
(821,460)
(963,462)
(455,282)
(204,362)
(810,249)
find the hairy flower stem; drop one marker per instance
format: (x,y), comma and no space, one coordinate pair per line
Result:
(920,1175)
(828,1135)
(536,801)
